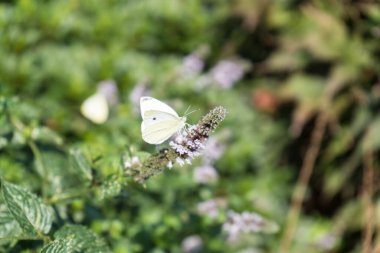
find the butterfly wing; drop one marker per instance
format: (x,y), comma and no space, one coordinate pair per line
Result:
(152,104)
(159,126)
(95,108)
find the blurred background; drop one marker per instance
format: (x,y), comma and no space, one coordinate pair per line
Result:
(297,152)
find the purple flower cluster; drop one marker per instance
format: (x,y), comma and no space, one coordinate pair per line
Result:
(226,73)
(141,89)
(192,244)
(213,151)
(108,89)
(250,250)
(132,162)
(246,222)
(211,207)
(192,65)
(188,146)
(327,242)
(191,143)
(205,174)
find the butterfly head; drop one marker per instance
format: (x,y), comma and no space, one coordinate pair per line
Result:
(183,119)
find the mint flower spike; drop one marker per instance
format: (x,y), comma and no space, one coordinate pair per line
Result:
(183,149)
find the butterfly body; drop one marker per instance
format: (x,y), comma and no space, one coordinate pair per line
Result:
(160,121)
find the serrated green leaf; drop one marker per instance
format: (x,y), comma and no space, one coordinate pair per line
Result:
(79,239)
(32,215)
(8,225)
(81,164)
(61,181)
(58,246)
(110,187)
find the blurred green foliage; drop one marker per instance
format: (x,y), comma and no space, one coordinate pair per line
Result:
(63,181)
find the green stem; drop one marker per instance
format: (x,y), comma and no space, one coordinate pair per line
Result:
(39,164)
(62,197)
(19,126)
(35,238)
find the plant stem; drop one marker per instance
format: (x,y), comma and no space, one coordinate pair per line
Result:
(336,82)
(35,238)
(303,180)
(19,126)
(40,164)
(63,197)
(367,193)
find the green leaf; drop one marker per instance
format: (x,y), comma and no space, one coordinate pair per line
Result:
(61,182)
(373,11)
(46,135)
(81,164)
(8,225)
(111,187)
(59,245)
(285,60)
(307,90)
(32,215)
(76,238)
(371,139)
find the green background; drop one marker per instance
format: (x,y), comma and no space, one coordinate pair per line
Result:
(304,62)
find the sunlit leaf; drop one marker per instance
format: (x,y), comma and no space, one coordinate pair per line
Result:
(324,35)
(349,216)
(317,232)
(110,187)
(59,245)
(371,140)
(286,60)
(76,238)
(373,11)
(304,89)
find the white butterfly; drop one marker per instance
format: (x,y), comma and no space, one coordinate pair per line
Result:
(95,108)
(160,121)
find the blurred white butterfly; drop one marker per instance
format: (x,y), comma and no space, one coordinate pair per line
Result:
(95,108)
(160,121)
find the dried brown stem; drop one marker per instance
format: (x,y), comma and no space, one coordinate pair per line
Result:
(335,83)
(367,193)
(303,181)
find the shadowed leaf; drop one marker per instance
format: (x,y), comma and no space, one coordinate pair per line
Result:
(8,225)
(32,215)
(81,164)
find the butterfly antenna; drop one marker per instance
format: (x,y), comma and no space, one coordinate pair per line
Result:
(191,112)
(187,109)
